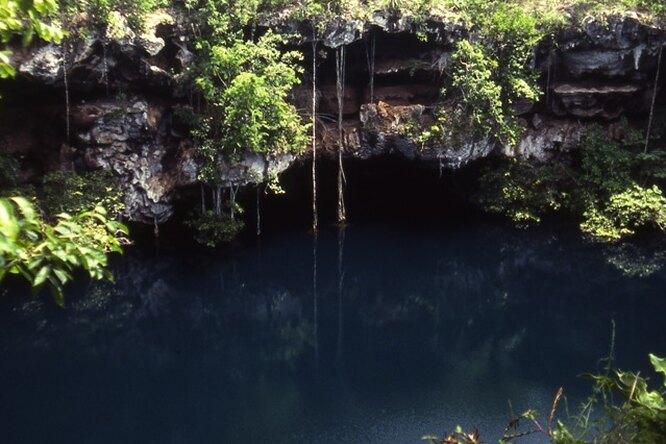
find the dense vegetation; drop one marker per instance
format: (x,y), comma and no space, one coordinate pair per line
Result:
(613,188)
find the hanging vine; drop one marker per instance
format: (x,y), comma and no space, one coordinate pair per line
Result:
(340,83)
(66,83)
(370,51)
(315,217)
(654,99)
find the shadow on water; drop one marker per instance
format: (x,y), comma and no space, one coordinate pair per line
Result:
(369,334)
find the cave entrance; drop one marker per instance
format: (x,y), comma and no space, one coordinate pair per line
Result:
(386,188)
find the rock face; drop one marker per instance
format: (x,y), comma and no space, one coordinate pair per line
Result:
(125,99)
(383,132)
(130,139)
(604,70)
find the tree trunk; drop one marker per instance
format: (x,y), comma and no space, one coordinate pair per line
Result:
(217,193)
(232,200)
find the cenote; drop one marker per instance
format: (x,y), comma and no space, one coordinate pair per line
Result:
(408,322)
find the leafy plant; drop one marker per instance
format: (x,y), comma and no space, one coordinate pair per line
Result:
(639,419)
(492,71)
(524,192)
(46,254)
(626,212)
(212,229)
(115,13)
(602,190)
(605,164)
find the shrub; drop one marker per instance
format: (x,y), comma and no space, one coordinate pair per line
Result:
(212,229)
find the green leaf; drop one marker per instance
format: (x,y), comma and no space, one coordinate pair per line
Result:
(26,208)
(57,293)
(41,276)
(8,221)
(62,276)
(659,365)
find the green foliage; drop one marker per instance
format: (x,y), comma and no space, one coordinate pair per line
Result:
(492,71)
(626,212)
(603,190)
(615,205)
(114,13)
(11,180)
(28,19)
(245,82)
(639,419)
(413,129)
(652,166)
(213,229)
(525,193)
(246,85)
(474,74)
(321,13)
(66,191)
(46,254)
(606,165)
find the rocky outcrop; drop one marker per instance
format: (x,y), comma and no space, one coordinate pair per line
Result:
(386,130)
(547,138)
(602,70)
(135,140)
(131,139)
(125,97)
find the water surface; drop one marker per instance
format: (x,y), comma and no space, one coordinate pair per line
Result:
(407,332)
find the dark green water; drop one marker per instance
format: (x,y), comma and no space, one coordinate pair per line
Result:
(410,332)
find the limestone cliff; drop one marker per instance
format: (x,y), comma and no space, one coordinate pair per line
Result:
(126,100)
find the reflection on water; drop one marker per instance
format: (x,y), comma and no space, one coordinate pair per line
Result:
(369,335)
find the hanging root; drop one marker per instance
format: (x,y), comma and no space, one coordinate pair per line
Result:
(66,82)
(315,216)
(340,74)
(370,51)
(654,99)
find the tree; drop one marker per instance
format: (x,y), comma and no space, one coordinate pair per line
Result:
(492,70)
(245,82)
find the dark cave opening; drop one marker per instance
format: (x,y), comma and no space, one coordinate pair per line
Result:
(386,188)
(382,190)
